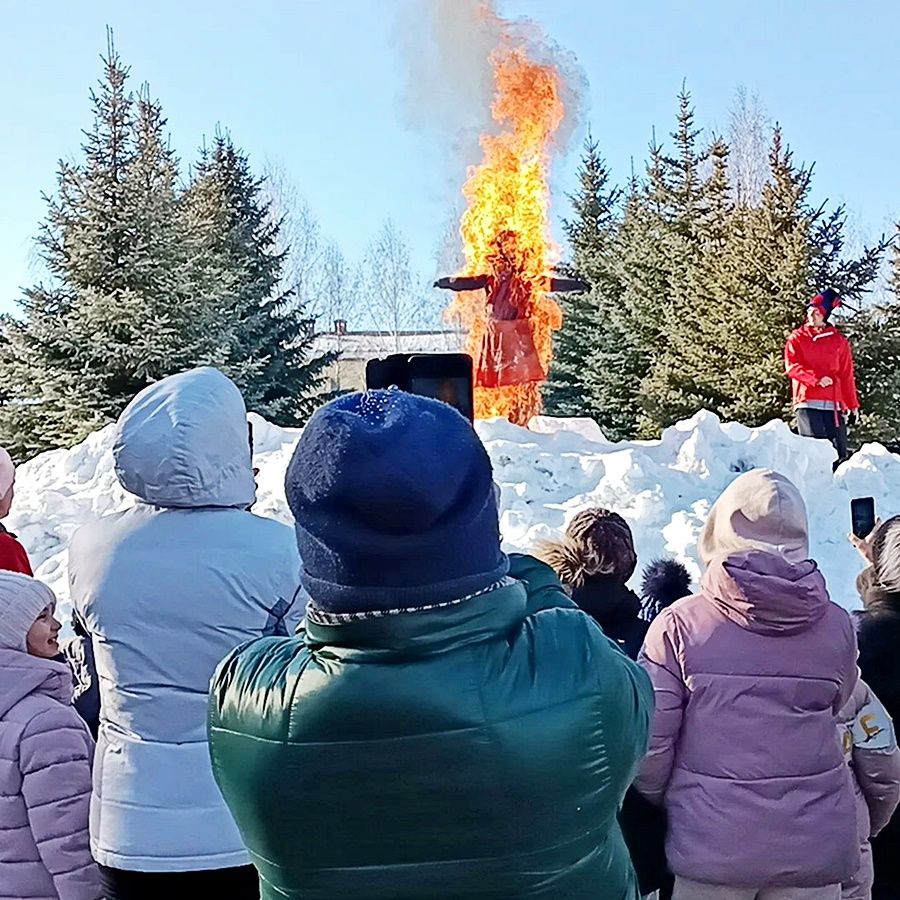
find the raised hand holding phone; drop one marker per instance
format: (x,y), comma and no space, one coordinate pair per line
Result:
(864,524)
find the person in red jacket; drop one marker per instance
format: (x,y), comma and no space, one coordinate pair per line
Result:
(13,557)
(819,362)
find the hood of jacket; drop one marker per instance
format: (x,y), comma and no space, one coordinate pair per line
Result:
(759,510)
(183,442)
(766,593)
(22,675)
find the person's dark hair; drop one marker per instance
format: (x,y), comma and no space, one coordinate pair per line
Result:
(598,542)
(886,556)
(663,582)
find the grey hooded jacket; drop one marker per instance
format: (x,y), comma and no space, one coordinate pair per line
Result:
(166,590)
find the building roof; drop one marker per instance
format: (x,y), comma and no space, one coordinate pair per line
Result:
(372,344)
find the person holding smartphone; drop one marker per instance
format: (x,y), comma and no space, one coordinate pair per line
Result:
(819,362)
(879,664)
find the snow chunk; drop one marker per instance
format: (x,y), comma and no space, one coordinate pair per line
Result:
(664,488)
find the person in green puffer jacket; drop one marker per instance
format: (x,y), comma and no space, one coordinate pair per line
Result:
(446,723)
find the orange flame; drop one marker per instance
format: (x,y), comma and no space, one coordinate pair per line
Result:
(508,206)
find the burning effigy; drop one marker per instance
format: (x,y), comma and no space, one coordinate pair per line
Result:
(502,297)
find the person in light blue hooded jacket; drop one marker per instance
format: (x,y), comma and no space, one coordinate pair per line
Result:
(165,590)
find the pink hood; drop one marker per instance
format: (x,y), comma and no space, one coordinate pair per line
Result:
(765,593)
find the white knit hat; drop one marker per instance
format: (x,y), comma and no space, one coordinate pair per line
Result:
(21,600)
(7,473)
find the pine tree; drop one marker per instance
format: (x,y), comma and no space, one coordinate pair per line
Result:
(875,336)
(681,216)
(747,287)
(677,189)
(680,381)
(746,291)
(269,330)
(645,248)
(117,311)
(586,378)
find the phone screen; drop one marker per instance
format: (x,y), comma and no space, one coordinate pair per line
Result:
(453,390)
(862,516)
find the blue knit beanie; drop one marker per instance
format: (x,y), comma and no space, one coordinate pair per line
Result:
(393,499)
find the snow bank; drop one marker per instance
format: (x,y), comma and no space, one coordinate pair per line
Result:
(663,488)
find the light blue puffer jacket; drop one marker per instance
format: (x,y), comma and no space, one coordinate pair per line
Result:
(166,590)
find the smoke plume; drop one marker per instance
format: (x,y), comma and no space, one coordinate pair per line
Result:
(446,48)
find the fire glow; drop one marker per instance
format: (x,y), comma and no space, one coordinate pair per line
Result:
(505,234)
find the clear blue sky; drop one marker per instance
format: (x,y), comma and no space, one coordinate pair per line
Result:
(314,84)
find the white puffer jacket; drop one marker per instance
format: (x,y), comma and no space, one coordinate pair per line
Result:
(166,590)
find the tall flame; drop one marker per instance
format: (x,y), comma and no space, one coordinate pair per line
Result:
(508,195)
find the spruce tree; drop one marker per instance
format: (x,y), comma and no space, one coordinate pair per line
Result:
(747,288)
(677,218)
(681,381)
(117,311)
(875,336)
(269,346)
(746,293)
(586,378)
(677,189)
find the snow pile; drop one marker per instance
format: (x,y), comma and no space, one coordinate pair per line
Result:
(663,488)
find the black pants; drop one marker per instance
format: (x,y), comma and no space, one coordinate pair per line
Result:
(233,884)
(820,423)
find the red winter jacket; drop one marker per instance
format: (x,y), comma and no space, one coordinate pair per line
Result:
(13,557)
(812,353)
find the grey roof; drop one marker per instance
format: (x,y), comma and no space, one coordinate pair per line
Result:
(372,344)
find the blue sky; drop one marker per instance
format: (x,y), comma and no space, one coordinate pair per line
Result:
(315,85)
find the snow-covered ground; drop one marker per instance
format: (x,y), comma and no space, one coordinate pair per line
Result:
(664,488)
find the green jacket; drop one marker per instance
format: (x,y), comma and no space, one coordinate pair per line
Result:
(480,749)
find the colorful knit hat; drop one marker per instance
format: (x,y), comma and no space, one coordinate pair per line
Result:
(826,302)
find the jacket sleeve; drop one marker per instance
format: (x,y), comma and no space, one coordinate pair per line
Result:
(13,557)
(793,365)
(628,701)
(567,285)
(54,758)
(626,692)
(464,283)
(874,754)
(849,676)
(660,659)
(848,378)
(78,653)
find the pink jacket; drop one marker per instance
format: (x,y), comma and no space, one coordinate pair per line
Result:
(45,784)
(745,754)
(870,748)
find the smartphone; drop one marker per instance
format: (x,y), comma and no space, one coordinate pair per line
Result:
(446,377)
(443,376)
(862,516)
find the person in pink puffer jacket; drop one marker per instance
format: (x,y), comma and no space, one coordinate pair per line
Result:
(750,676)
(45,756)
(870,749)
